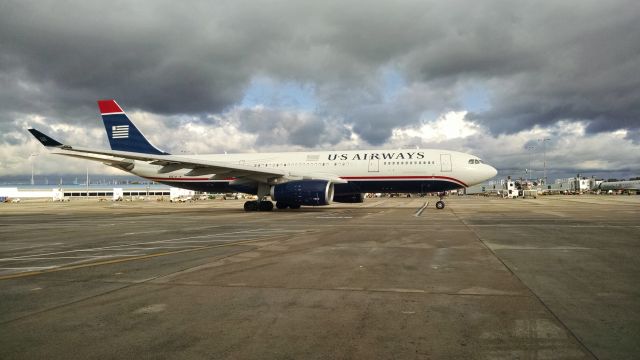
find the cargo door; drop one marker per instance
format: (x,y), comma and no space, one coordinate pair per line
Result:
(445,162)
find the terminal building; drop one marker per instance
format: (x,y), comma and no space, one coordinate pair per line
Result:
(532,187)
(574,184)
(67,192)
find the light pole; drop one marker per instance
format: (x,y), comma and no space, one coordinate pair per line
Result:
(530,148)
(87,182)
(544,159)
(32,166)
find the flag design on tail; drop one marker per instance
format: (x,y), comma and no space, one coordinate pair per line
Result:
(122,133)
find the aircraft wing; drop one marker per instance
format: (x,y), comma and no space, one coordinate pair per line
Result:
(169,163)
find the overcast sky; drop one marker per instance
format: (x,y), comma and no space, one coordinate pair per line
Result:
(487,77)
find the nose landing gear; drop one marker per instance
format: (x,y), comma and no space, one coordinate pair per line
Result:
(440,203)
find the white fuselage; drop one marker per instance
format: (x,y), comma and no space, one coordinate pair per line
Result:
(365,167)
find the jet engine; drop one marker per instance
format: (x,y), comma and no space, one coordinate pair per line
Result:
(303,192)
(349,198)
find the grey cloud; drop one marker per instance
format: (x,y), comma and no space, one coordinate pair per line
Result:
(538,62)
(280,127)
(13,138)
(634,136)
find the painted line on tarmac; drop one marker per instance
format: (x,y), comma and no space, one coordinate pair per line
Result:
(123,247)
(127,259)
(65,257)
(144,232)
(419,212)
(31,246)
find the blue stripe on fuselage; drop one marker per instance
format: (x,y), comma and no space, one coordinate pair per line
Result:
(395,186)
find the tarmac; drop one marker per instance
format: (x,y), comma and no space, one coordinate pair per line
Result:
(485,278)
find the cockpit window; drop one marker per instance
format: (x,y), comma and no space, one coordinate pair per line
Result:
(470,161)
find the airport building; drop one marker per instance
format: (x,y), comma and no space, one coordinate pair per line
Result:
(574,184)
(66,192)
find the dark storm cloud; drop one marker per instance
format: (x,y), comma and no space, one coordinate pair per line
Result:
(538,62)
(634,136)
(275,127)
(73,54)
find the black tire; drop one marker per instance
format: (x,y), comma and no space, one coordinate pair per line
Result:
(295,206)
(280,205)
(265,205)
(440,205)
(250,206)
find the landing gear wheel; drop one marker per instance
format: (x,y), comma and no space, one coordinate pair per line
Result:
(250,206)
(280,205)
(295,206)
(265,205)
(440,205)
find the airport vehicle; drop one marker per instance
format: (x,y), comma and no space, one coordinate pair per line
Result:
(630,185)
(230,196)
(292,179)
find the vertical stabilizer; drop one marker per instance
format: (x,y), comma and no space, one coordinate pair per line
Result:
(122,133)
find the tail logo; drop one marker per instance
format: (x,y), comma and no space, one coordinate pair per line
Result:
(120,132)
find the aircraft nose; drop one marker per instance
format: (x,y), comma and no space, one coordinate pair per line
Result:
(492,172)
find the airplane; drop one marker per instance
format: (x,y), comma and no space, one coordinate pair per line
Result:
(629,185)
(291,179)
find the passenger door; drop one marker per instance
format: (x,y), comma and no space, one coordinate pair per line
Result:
(374,165)
(445,162)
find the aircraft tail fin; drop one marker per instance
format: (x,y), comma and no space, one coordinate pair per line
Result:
(122,133)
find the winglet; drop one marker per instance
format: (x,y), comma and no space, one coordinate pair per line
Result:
(44,139)
(109,107)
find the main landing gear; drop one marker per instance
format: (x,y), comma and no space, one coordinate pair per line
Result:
(282,205)
(264,205)
(261,204)
(440,203)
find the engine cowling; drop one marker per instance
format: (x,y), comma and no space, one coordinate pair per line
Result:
(349,198)
(304,192)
